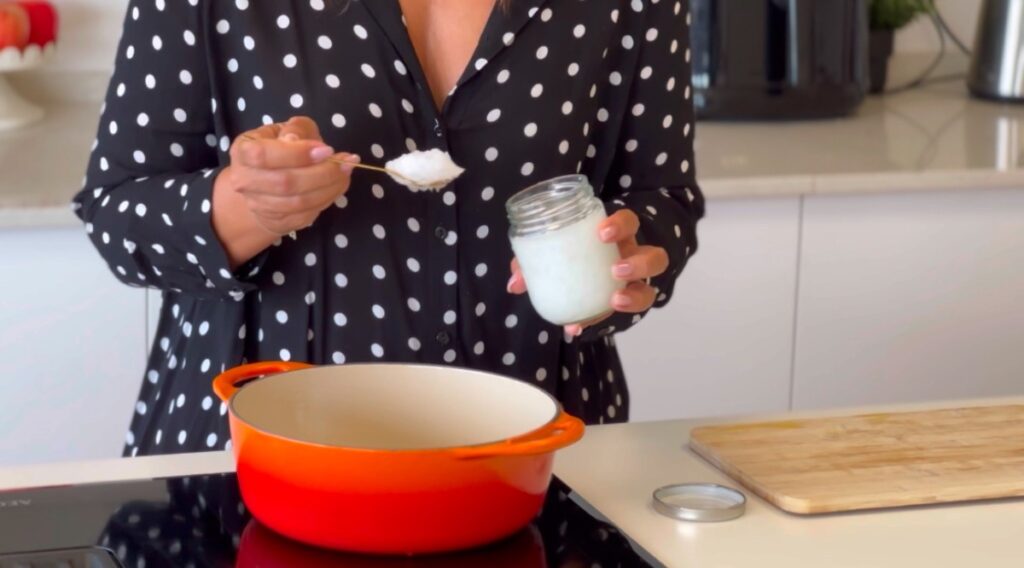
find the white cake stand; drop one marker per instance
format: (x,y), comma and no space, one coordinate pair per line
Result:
(15,111)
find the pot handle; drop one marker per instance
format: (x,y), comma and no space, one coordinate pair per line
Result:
(226,384)
(563,431)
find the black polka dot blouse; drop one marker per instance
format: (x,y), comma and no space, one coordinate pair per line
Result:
(555,87)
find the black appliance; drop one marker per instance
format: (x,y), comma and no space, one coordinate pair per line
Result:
(201,522)
(778,59)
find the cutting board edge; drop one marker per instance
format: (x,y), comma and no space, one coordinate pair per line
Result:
(794,505)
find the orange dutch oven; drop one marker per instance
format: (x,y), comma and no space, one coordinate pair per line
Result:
(391,458)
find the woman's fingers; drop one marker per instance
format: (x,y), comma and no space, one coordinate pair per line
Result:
(635,298)
(619,226)
(296,181)
(300,128)
(516,283)
(645,262)
(273,154)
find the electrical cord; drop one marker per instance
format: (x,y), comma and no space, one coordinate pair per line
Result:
(949,31)
(923,77)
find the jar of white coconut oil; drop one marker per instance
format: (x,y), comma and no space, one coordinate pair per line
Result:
(554,234)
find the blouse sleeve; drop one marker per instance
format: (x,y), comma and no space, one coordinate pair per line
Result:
(653,172)
(146,200)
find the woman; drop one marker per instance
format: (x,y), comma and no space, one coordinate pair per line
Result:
(213,180)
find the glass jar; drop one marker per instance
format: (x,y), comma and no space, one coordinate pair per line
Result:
(554,235)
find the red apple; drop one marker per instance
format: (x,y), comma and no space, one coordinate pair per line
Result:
(14,27)
(42,19)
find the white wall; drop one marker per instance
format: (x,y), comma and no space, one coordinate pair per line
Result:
(88,44)
(961,15)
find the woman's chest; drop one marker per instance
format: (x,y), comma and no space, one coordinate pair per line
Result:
(539,94)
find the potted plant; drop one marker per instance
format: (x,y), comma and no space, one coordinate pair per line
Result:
(887,16)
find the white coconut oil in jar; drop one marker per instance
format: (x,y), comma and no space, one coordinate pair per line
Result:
(554,234)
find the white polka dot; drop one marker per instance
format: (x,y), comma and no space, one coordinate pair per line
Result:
(139,156)
(542,374)
(379,232)
(296,100)
(449,199)
(573,69)
(340,319)
(511,321)
(378,311)
(140,210)
(563,147)
(281,316)
(310,259)
(157,43)
(537,90)
(324,42)
(150,81)
(317,5)
(379,272)
(508,38)
(182,436)
(685,166)
(285,355)
(377,150)
(338,358)
(480,309)
(491,154)
(340,280)
(377,350)
(542,52)
(185,77)
(414,304)
(413,264)
(503,76)
(487,194)
(449,317)
(360,31)
(494,115)
(450,277)
(509,358)
(290,61)
(249,43)
(661,159)
(478,348)
(567,107)
(414,344)
(615,78)
(480,270)
(375,110)
(542,338)
(627,42)
(333,81)
(530,130)
(579,30)
(545,15)
(400,67)
(527,169)
(482,232)
(631,145)
(480,64)
(283,21)
(368,70)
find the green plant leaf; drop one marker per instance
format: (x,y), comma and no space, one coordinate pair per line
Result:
(894,14)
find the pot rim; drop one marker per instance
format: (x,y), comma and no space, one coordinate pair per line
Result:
(404,451)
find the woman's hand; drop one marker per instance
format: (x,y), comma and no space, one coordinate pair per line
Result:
(638,264)
(280,179)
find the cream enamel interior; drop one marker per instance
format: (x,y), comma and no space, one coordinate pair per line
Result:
(393,407)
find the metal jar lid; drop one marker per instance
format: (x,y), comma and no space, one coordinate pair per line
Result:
(701,502)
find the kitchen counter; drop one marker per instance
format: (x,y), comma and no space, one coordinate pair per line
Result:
(932,138)
(615,468)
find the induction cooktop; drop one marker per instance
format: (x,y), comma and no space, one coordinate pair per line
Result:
(201,522)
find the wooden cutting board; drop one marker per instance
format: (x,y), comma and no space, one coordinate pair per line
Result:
(874,461)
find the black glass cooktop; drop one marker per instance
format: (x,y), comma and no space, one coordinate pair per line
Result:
(200,522)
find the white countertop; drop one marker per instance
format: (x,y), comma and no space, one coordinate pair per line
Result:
(932,138)
(615,469)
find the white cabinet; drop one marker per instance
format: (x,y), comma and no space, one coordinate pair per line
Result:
(910,297)
(724,343)
(72,349)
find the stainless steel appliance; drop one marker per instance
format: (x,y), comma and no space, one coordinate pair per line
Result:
(779,59)
(997,66)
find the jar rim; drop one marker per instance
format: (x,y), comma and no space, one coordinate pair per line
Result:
(551,204)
